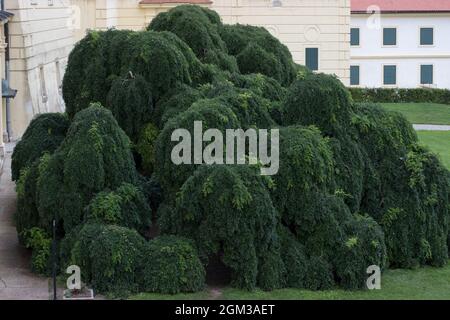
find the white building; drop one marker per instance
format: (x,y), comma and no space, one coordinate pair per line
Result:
(401,43)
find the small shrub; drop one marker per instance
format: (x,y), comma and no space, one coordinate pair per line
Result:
(363,247)
(40,243)
(172,266)
(416,95)
(116,260)
(75,248)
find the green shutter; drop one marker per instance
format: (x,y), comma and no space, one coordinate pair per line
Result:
(426,74)
(354,75)
(354,36)
(426,36)
(389,36)
(312,58)
(390,75)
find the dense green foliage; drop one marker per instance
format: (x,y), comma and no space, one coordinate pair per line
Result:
(94,156)
(126,206)
(380,95)
(244,40)
(27,215)
(408,189)
(116,260)
(161,58)
(354,188)
(40,243)
(213,114)
(130,102)
(171,265)
(320,100)
(146,147)
(227,209)
(199,28)
(75,248)
(44,134)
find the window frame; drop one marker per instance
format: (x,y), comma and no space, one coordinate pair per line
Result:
(420,37)
(359,37)
(432,74)
(396,37)
(359,75)
(383,73)
(312,46)
(42,84)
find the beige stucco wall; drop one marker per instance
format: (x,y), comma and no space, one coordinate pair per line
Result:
(44,31)
(2,75)
(299,24)
(40,42)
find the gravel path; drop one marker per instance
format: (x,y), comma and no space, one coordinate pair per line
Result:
(431,127)
(16,280)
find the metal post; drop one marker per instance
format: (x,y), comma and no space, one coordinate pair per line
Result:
(54,259)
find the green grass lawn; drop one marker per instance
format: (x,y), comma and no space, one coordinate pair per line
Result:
(417,284)
(422,113)
(438,142)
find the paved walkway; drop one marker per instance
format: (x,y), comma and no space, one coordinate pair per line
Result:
(16,280)
(430,127)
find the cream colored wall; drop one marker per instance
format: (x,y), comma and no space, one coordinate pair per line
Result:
(2,75)
(42,34)
(40,37)
(299,24)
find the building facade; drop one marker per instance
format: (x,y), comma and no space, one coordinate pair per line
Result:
(4,88)
(43,33)
(402,43)
(40,40)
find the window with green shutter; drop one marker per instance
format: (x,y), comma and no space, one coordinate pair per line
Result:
(312,58)
(354,36)
(354,75)
(426,36)
(389,36)
(390,75)
(426,74)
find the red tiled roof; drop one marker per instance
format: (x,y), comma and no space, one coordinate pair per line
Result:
(402,6)
(175,1)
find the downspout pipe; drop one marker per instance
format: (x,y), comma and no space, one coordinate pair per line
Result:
(7,76)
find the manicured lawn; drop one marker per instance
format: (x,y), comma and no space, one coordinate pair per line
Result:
(417,284)
(422,113)
(439,142)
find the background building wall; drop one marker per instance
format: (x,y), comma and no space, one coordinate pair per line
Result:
(40,42)
(300,24)
(408,54)
(2,76)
